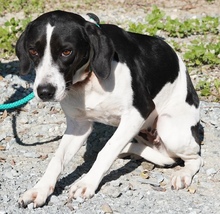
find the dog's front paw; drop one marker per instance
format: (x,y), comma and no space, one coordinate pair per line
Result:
(37,196)
(82,189)
(180,180)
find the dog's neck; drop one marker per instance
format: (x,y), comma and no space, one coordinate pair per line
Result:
(83,76)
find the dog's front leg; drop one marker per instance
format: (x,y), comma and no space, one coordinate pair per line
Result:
(74,137)
(129,126)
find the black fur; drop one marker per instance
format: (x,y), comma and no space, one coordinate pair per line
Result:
(192,97)
(142,53)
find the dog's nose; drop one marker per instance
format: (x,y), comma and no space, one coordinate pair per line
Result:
(46,92)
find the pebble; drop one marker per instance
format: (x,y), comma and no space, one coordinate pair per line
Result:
(54,199)
(79,199)
(30,206)
(9,175)
(211,171)
(106,209)
(31,155)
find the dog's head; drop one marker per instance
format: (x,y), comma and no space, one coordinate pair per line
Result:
(63,48)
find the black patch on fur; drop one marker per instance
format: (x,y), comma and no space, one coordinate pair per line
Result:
(197,133)
(152,63)
(191,97)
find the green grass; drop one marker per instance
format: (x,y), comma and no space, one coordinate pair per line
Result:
(208,88)
(9,34)
(157,21)
(27,6)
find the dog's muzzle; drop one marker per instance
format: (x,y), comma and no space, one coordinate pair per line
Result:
(46,92)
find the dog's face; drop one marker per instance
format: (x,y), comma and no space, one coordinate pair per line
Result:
(63,48)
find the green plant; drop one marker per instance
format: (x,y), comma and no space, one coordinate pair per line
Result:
(205,88)
(156,20)
(8,35)
(217,88)
(26,6)
(199,53)
(154,23)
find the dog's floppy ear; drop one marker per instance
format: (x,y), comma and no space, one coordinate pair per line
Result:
(25,61)
(102,51)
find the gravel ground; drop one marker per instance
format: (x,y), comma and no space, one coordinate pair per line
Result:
(29,137)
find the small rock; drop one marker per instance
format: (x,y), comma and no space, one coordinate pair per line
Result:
(116,183)
(106,208)
(159,177)
(148,181)
(129,193)
(24,120)
(54,199)
(147,166)
(158,188)
(9,175)
(144,174)
(30,206)
(14,173)
(80,199)
(210,171)
(31,155)
(116,193)
(191,189)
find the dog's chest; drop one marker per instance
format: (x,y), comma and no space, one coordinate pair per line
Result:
(100,107)
(101,101)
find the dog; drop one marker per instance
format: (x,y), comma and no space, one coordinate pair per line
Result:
(102,73)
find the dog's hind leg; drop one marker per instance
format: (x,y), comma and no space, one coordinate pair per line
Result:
(180,140)
(148,154)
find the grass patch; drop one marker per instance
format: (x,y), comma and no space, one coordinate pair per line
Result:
(9,34)
(27,6)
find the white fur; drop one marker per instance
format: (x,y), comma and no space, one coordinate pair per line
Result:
(48,72)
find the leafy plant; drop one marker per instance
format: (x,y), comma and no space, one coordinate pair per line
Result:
(206,89)
(8,35)
(217,88)
(200,53)
(25,5)
(157,20)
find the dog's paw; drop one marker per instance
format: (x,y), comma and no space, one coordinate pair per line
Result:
(180,180)
(82,189)
(37,196)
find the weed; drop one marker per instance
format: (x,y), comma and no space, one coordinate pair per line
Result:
(199,53)
(8,35)
(205,88)
(27,6)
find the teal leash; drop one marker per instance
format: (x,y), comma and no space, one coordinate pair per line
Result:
(18,103)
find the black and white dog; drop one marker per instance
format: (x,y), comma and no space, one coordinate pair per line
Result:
(105,74)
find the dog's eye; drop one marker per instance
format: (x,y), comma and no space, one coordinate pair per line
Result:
(33,52)
(66,53)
